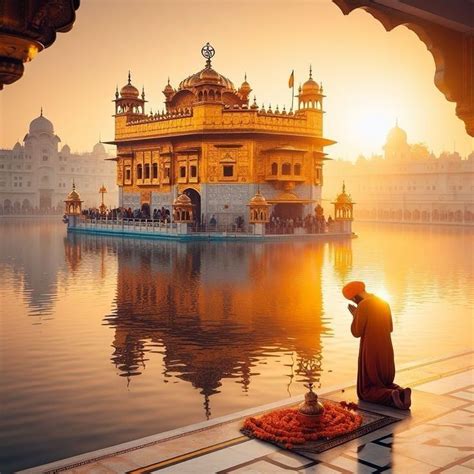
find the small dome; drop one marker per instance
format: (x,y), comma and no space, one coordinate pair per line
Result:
(168,90)
(99,149)
(128,91)
(397,135)
(73,195)
(258,199)
(66,149)
(17,146)
(41,125)
(310,87)
(344,198)
(182,200)
(245,88)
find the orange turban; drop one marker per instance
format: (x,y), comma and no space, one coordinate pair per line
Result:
(353,288)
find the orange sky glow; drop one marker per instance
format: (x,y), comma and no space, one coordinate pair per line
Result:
(370,77)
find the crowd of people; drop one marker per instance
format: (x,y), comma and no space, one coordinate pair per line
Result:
(312,224)
(160,215)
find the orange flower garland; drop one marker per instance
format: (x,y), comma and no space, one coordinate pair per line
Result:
(283,427)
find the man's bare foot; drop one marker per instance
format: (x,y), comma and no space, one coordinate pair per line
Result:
(405,396)
(397,402)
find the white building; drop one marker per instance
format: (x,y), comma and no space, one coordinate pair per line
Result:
(36,176)
(407,185)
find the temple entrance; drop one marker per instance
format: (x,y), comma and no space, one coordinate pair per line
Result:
(45,199)
(288,210)
(196,201)
(146,210)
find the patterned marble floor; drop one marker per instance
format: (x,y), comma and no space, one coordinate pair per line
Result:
(436,436)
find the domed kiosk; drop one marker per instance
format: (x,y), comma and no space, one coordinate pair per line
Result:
(343,211)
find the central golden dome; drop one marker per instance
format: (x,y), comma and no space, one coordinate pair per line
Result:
(206,76)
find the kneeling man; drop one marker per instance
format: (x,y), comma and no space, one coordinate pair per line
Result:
(372,322)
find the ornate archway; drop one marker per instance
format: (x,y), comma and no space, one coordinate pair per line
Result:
(196,201)
(447,32)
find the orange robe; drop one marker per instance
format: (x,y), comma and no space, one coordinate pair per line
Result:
(376,369)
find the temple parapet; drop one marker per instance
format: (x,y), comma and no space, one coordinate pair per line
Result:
(205,118)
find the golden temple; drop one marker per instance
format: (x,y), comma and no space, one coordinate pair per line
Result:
(216,146)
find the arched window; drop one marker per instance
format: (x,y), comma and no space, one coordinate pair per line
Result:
(274,169)
(147,171)
(139,172)
(286,169)
(297,169)
(155,170)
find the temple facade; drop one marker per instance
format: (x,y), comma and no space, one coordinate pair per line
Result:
(218,147)
(407,184)
(36,175)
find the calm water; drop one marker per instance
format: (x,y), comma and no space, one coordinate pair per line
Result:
(104,340)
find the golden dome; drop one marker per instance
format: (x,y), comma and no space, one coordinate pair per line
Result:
(129,91)
(344,198)
(205,76)
(310,86)
(73,195)
(182,200)
(245,88)
(258,199)
(168,90)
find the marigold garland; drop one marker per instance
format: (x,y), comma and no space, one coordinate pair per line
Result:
(283,426)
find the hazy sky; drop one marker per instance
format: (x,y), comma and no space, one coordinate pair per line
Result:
(370,77)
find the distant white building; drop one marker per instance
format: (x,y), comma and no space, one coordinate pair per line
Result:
(36,176)
(408,185)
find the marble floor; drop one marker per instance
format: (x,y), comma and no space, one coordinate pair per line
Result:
(435,436)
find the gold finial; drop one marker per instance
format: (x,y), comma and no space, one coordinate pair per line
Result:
(245,77)
(41,114)
(143,92)
(73,185)
(168,80)
(343,186)
(116,92)
(129,77)
(310,71)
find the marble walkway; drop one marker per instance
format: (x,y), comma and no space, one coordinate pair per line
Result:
(435,436)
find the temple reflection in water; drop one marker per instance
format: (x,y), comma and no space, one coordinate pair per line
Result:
(212,311)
